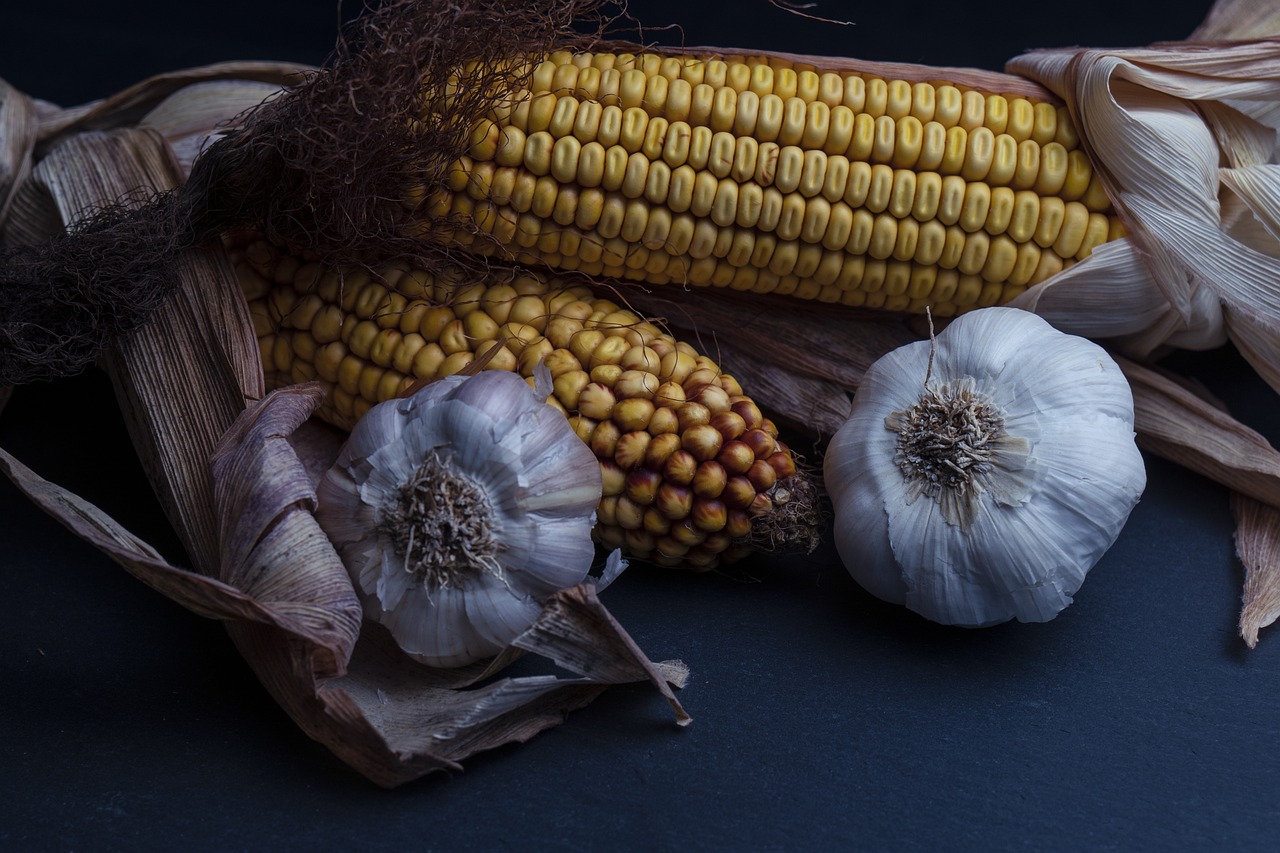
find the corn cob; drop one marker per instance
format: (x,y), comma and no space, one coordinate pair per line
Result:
(761,174)
(692,470)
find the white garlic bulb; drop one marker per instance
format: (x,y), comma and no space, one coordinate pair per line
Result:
(459,510)
(980,476)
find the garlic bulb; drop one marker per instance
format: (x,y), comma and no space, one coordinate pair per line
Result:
(981,475)
(459,510)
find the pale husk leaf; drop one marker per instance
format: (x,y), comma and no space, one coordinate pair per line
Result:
(131,105)
(174,418)
(1258,544)
(19,133)
(1183,427)
(1239,19)
(18,128)
(1175,132)
(1184,136)
(187,118)
(202,595)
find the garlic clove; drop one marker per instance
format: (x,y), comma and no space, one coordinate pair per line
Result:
(389,578)
(496,614)
(551,551)
(471,441)
(861,525)
(383,427)
(436,629)
(554,483)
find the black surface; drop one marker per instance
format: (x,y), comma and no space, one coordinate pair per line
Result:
(1136,720)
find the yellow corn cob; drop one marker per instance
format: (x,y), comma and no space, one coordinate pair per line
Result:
(691,469)
(759,174)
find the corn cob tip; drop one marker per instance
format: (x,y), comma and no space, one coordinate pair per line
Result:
(795,521)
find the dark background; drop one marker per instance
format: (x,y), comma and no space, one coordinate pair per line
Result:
(1135,720)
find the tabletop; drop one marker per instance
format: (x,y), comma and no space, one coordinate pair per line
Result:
(1135,720)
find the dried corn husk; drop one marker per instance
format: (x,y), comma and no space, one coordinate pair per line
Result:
(1184,137)
(236,472)
(1258,544)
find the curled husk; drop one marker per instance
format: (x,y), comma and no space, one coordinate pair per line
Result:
(1184,138)
(981,475)
(458,511)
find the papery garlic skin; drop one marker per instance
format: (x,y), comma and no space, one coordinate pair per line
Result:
(1058,488)
(521,491)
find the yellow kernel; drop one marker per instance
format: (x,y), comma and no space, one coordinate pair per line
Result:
(709,480)
(604,439)
(702,441)
(531,355)
(685,533)
(909,139)
(1001,258)
(974,255)
(1027,170)
(613,479)
(633,413)
(1001,211)
(664,420)
(880,190)
(1095,235)
(629,515)
(902,195)
(883,144)
(979,153)
(725,109)
(708,514)
(1052,177)
(384,347)
(568,387)
(1049,224)
(769,123)
(1022,120)
(673,500)
(641,486)
(636,383)
(976,206)
(655,138)
(792,129)
(595,401)
(634,127)
(632,448)
(680,467)
(1075,224)
(606,375)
